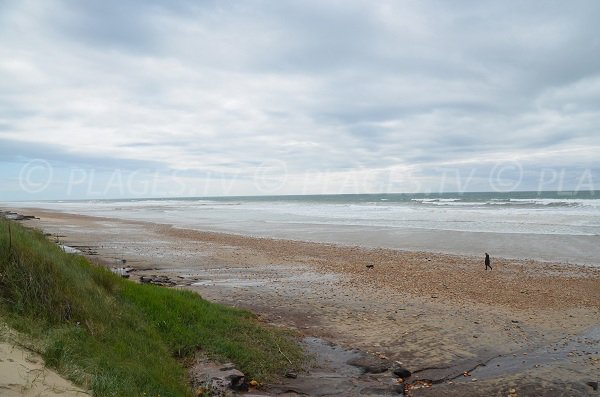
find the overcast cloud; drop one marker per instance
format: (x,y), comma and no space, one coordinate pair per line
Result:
(366,95)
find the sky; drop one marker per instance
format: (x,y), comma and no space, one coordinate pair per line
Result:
(107,99)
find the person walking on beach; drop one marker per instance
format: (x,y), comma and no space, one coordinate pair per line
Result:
(487,262)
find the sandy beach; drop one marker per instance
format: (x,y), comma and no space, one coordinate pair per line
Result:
(341,171)
(525,328)
(22,372)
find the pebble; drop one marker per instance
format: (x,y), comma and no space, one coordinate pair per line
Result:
(291,375)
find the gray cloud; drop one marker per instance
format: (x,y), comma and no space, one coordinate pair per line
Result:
(205,87)
(14,151)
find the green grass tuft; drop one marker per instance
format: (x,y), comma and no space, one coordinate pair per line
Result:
(120,338)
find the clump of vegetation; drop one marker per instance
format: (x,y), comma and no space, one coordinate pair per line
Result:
(120,338)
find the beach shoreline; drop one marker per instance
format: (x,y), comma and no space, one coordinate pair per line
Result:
(546,229)
(423,309)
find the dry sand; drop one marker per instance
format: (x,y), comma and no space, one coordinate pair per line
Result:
(22,373)
(535,324)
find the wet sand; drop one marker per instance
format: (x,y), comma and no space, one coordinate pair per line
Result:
(439,315)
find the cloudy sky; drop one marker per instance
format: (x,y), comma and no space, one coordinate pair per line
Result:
(193,98)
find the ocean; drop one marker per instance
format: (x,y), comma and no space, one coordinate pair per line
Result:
(552,226)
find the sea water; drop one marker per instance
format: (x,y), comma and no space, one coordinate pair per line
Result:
(554,226)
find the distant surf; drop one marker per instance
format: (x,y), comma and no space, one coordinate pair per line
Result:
(561,226)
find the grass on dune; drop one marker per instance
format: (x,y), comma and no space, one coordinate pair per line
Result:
(119,338)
